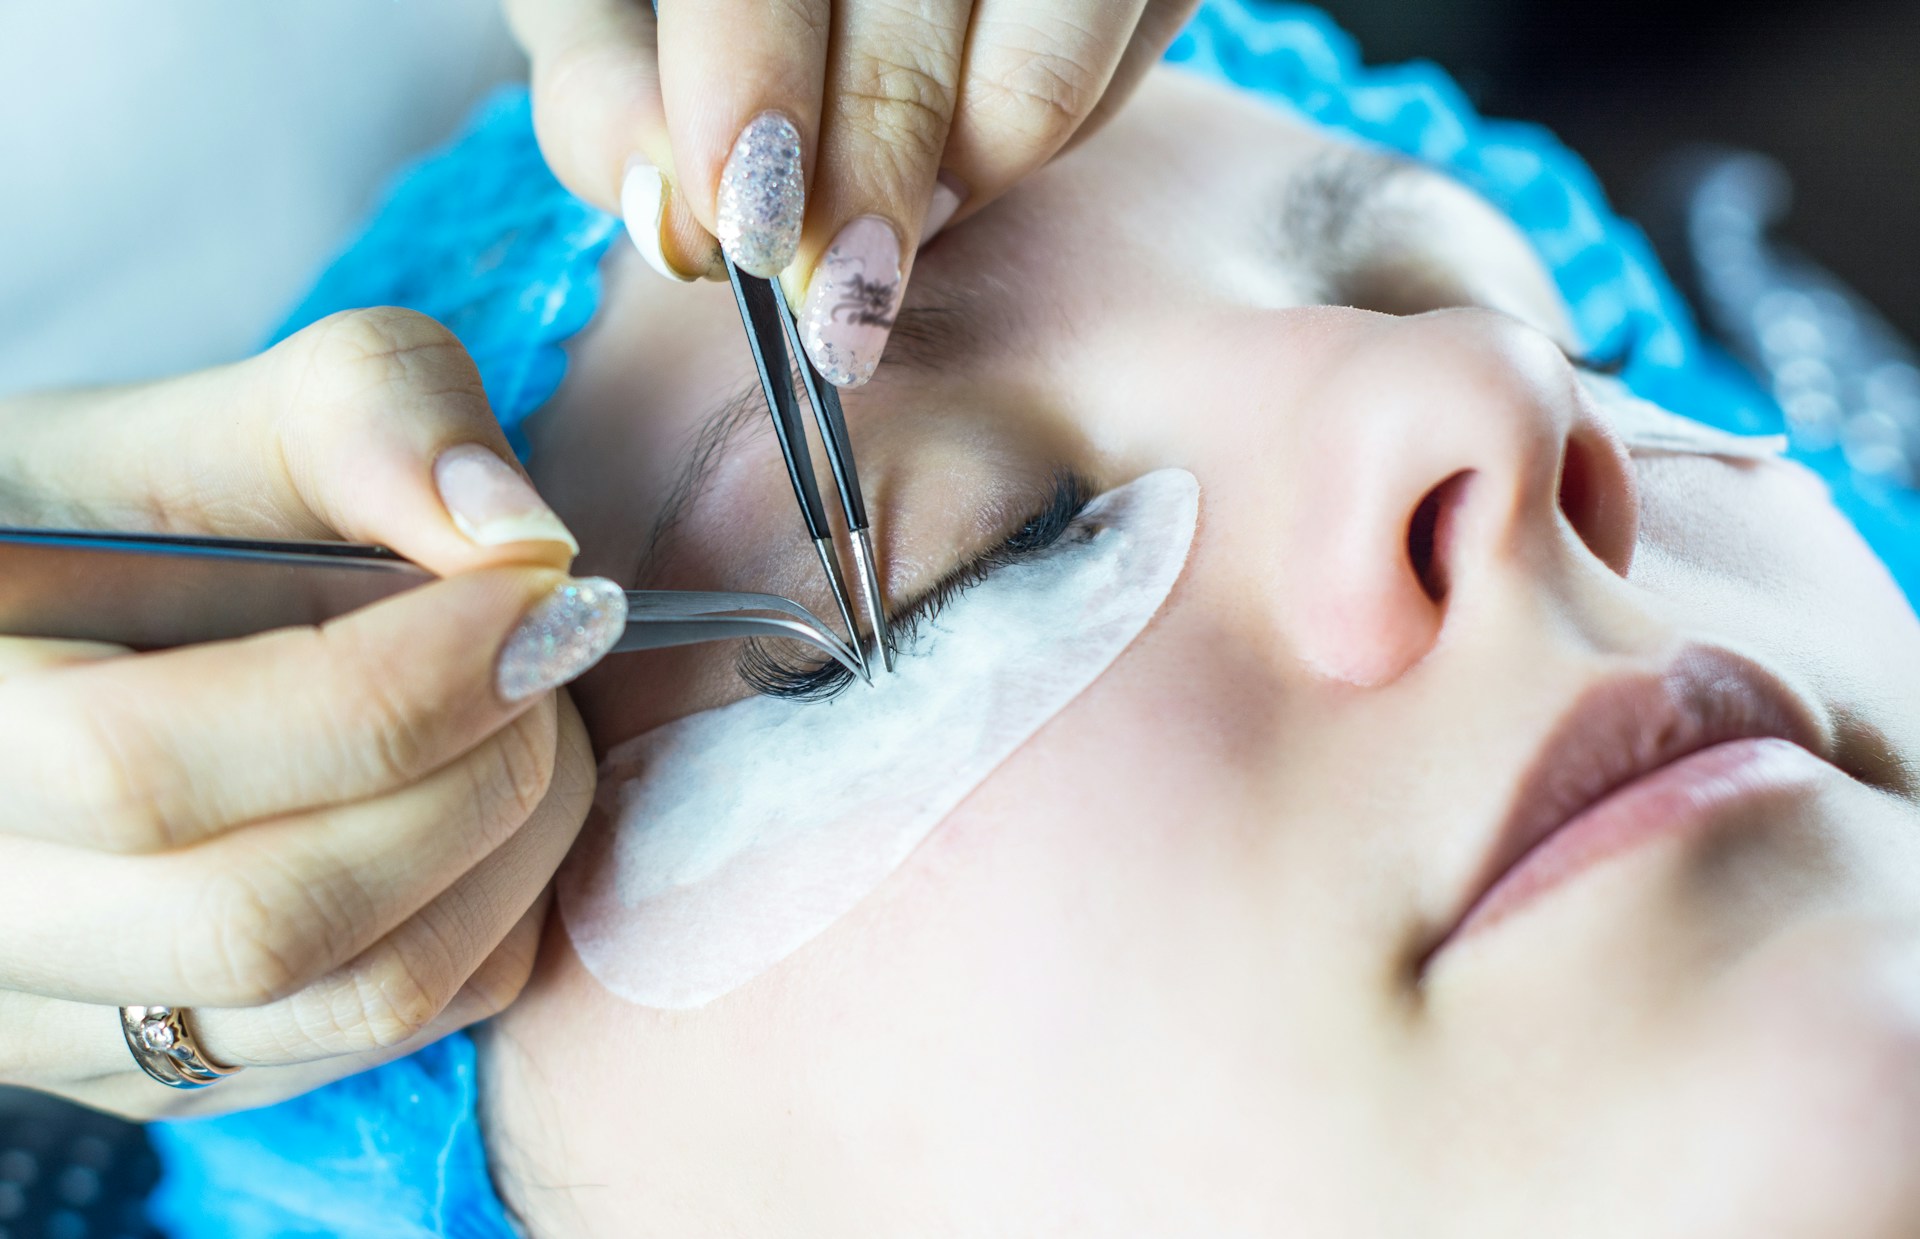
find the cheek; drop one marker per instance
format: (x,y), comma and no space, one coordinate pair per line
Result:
(1808,1083)
(1759,553)
(1767,526)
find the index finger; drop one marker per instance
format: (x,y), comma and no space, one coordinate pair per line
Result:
(158,751)
(370,425)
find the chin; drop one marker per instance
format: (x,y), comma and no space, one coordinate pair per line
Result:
(1811,1088)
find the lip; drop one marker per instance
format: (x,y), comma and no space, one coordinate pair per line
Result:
(1635,758)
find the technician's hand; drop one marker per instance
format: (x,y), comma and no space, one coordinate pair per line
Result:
(330,844)
(822,139)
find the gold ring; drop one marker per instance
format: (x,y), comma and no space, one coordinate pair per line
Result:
(165,1049)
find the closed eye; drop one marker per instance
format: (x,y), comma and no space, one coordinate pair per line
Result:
(769,670)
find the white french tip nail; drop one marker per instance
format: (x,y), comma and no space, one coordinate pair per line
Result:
(532,527)
(643,205)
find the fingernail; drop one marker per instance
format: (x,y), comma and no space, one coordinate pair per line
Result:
(948,195)
(567,632)
(763,196)
(643,204)
(491,503)
(852,301)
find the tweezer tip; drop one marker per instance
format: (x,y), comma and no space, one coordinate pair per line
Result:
(830,561)
(870,592)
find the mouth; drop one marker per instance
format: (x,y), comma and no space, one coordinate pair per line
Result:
(1636,758)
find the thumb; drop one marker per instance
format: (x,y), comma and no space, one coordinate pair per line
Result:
(602,127)
(369,426)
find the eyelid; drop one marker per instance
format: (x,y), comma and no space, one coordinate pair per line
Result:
(1068,494)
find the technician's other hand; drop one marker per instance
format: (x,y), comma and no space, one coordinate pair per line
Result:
(822,140)
(329,844)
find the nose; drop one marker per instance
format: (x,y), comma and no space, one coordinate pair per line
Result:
(1442,455)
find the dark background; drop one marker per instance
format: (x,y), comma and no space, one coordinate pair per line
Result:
(1830,89)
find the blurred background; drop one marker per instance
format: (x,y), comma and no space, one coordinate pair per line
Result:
(1831,90)
(171,192)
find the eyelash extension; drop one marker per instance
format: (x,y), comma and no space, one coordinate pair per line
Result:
(771,675)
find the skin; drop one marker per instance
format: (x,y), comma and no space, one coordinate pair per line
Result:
(353,827)
(1163,972)
(886,99)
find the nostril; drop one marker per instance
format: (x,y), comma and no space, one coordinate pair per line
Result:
(1595,496)
(1430,531)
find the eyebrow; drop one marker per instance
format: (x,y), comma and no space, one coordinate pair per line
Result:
(931,336)
(719,430)
(1328,207)
(1324,209)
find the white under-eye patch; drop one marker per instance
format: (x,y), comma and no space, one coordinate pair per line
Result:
(726,841)
(1646,428)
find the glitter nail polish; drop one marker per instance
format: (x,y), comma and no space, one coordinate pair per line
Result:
(852,300)
(763,196)
(567,632)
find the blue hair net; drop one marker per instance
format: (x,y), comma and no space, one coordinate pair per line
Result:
(483,238)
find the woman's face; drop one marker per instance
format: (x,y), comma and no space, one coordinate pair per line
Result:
(1225,948)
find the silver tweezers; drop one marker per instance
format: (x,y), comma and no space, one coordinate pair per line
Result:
(770,326)
(767,317)
(158,591)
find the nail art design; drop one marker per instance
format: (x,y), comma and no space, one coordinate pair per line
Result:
(763,196)
(566,633)
(852,302)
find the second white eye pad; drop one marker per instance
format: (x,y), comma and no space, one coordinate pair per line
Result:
(728,840)
(1644,427)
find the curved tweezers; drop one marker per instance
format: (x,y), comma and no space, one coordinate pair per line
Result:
(658,619)
(157,591)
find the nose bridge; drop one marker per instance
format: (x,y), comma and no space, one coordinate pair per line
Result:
(1420,458)
(1462,392)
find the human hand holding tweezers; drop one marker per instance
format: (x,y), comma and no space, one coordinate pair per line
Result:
(770,329)
(159,591)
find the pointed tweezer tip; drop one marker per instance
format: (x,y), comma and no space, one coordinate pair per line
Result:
(841,598)
(870,592)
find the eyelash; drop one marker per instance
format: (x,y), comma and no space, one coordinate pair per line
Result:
(771,675)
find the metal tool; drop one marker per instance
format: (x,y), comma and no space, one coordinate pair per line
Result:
(766,316)
(825,399)
(158,591)
(769,322)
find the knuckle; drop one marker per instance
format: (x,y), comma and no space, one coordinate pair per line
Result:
(902,101)
(520,768)
(805,22)
(112,779)
(575,771)
(381,732)
(503,978)
(399,998)
(375,335)
(246,951)
(359,353)
(1039,96)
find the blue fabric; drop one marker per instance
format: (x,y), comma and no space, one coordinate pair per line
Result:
(390,1154)
(481,237)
